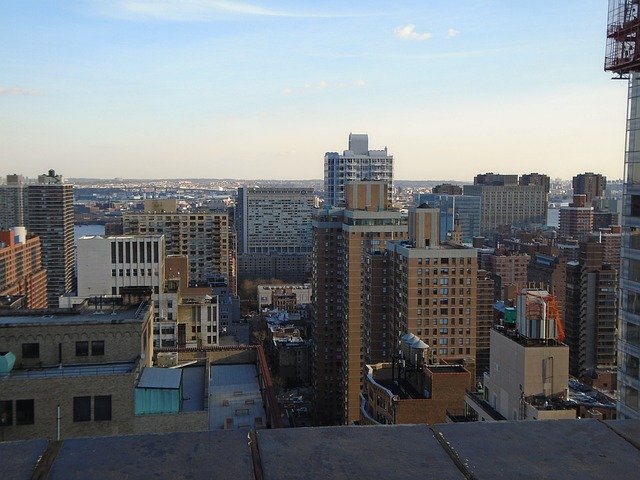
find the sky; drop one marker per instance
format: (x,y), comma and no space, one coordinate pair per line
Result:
(261,89)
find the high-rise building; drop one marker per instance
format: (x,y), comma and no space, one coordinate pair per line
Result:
(536,179)
(356,163)
(593,185)
(13,202)
(50,216)
(203,237)
(576,220)
(433,290)
(464,209)
(341,238)
(507,203)
(511,267)
(591,312)
(21,271)
(484,320)
(274,232)
(447,189)
(623,58)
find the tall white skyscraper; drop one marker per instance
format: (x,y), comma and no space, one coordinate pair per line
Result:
(355,164)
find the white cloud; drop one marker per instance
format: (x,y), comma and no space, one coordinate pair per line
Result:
(360,83)
(17,91)
(452,32)
(408,32)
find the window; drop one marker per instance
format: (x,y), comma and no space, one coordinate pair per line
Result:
(24,412)
(81,409)
(102,407)
(30,350)
(6,413)
(82,349)
(97,347)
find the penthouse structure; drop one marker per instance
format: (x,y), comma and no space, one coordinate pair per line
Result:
(21,270)
(274,232)
(355,164)
(507,203)
(50,217)
(341,238)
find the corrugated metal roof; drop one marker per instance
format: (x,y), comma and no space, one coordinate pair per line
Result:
(169,378)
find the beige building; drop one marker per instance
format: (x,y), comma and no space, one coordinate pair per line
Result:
(433,290)
(72,375)
(191,314)
(204,237)
(341,239)
(506,203)
(529,367)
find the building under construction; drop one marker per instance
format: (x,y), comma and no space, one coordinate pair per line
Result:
(623,59)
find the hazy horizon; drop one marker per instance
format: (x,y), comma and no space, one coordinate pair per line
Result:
(260,89)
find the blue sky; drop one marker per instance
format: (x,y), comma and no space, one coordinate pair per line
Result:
(261,89)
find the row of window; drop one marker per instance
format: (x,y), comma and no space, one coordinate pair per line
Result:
(82,408)
(32,350)
(101,408)
(121,272)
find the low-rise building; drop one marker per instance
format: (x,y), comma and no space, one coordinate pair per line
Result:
(71,374)
(284,297)
(411,390)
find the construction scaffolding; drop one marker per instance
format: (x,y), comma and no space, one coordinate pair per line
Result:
(623,37)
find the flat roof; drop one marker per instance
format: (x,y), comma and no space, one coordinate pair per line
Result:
(235,400)
(18,459)
(567,449)
(402,388)
(75,370)
(163,378)
(193,383)
(88,316)
(174,455)
(394,451)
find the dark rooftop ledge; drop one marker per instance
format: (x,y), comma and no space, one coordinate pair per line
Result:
(567,449)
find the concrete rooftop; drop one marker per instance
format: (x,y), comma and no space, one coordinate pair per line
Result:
(560,449)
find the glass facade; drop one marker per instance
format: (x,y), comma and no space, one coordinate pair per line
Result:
(465,207)
(629,318)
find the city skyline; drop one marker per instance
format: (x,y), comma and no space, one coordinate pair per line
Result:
(225,89)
